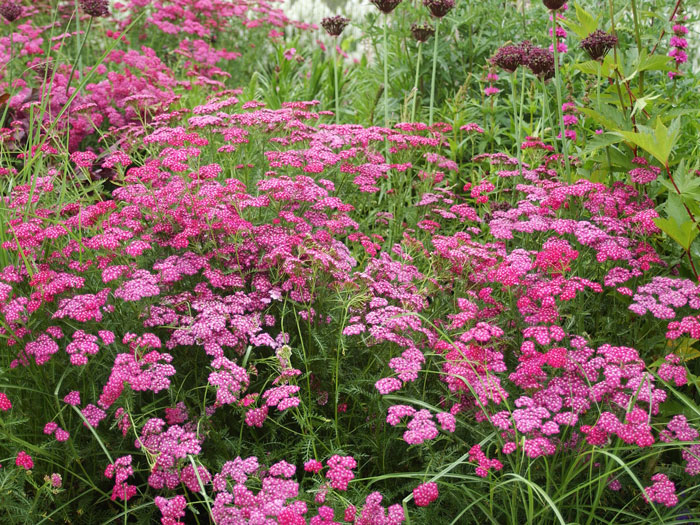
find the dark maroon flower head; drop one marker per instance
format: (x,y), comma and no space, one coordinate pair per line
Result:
(422,32)
(509,58)
(598,44)
(10,10)
(386,6)
(334,25)
(439,8)
(95,8)
(553,4)
(541,62)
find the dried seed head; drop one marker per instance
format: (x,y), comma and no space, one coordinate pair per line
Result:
(422,32)
(598,44)
(386,6)
(95,8)
(541,62)
(509,58)
(439,8)
(10,10)
(334,25)
(553,4)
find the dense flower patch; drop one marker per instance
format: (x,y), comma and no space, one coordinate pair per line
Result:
(216,310)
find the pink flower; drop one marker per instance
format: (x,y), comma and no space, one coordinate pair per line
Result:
(425,493)
(72,398)
(662,491)
(387,385)
(5,403)
(313,465)
(289,53)
(24,460)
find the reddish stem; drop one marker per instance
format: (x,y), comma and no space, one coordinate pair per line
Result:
(692,266)
(663,31)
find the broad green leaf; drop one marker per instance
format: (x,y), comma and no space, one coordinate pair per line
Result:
(660,143)
(654,62)
(647,142)
(586,23)
(683,234)
(591,67)
(601,141)
(608,116)
(674,206)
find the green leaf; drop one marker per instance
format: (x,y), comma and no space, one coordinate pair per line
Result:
(658,143)
(654,62)
(601,141)
(641,103)
(591,67)
(674,206)
(586,23)
(683,234)
(608,116)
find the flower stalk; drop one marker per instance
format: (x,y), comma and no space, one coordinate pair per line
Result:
(557,87)
(432,79)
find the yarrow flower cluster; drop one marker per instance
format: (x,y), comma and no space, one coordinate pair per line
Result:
(24,460)
(425,493)
(484,464)
(645,173)
(5,403)
(663,491)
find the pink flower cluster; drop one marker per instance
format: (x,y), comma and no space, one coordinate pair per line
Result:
(484,464)
(662,491)
(169,446)
(678,45)
(121,470)
(425,493)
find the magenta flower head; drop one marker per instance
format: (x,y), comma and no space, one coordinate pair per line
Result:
(334,25)
(541,62)
(509,58)
(95,8)
(598,44)
(439,8)
(553,4)
(10,10)
(422,32)
(386,6)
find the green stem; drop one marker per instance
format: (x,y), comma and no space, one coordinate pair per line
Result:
(638,38)
(557,86)
(386,74)
(516,121)
(335,80)
(432,80)
(520,122)
(9,70)
(80,50)
(415,84)
(77,32)
(545,113)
